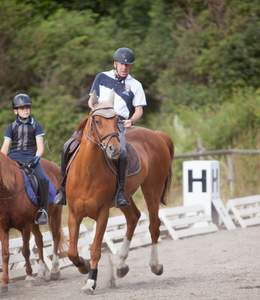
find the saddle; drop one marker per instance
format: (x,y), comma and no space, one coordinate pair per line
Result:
(70,150)
(29,173)
(31,185)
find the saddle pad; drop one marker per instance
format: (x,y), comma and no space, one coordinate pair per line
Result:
(133,162)
(31,194)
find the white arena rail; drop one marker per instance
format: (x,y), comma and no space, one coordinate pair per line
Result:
(177,222)
(116,230)
(185,221)
(245,210)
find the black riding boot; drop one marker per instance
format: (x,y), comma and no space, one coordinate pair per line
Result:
(60,198)
(120,198)
(42,214)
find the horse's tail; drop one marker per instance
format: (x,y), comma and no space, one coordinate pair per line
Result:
(56,218)
(168,180)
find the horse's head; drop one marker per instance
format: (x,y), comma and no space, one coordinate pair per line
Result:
(103,129)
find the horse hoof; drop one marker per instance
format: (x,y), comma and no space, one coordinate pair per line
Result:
(85,267)
(89,287)
(121,272)
(29,278)
(55,275)
(112,283)
(157,269)
(37,282)
(4,289)
(88,291)
(43,277)
(29,281)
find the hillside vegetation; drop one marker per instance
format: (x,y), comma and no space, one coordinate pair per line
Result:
(199,62)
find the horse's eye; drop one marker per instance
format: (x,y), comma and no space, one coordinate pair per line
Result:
(97,122)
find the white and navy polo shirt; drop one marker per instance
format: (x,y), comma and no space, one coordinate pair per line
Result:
(129,92)
(23,138)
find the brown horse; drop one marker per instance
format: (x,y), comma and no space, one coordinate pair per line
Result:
(17,211)
(91,186)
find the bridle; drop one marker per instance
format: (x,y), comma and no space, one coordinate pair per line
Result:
(102,141)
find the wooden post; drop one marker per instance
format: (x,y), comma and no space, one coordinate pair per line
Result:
(231,174)
(200,148)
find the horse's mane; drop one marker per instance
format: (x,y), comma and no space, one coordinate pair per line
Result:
(81,127)
(8,169)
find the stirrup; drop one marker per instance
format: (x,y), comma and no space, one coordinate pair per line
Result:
(41,217)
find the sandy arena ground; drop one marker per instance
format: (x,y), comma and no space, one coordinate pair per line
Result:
(222,265)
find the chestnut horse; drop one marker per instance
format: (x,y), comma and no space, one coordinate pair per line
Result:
(91,186)
(17,211)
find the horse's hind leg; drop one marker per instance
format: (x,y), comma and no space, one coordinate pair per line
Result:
(152,199)
(26,232)
(55,225)
(82,264)
(132,215)
(4,236)
(43,271)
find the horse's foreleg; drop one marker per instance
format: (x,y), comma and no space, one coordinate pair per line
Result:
(26,232)
(55,225)
(43,270)
(78,261)
(132,215)
(95,251)
(4,235)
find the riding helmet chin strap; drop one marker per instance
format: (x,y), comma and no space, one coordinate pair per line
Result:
(120,78)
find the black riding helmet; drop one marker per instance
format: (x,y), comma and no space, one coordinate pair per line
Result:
(124,56)
(21,100)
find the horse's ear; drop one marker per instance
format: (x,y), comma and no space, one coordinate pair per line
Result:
(93,100)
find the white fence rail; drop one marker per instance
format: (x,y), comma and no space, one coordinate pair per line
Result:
(245,210)
(185,221)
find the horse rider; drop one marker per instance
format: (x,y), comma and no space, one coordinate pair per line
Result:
(128,105)
(23,142)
